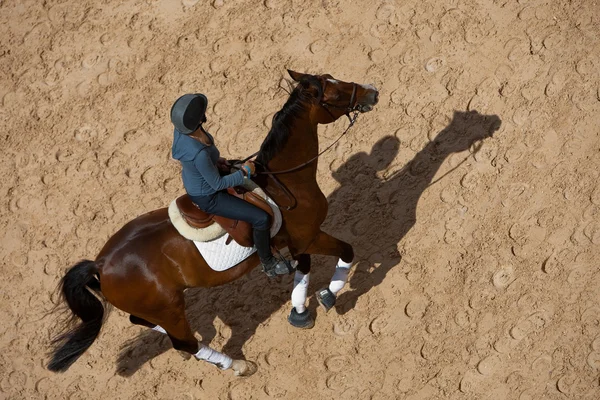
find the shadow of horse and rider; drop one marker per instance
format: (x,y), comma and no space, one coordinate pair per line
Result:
(247,303)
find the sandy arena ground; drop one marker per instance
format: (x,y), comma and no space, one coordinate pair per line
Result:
(477,271)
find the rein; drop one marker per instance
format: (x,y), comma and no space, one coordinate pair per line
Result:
(296,168)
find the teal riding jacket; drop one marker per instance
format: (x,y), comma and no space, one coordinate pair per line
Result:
(199,172)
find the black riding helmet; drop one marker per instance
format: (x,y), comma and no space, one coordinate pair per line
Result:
(188,112)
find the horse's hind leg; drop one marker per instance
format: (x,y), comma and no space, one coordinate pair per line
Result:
(140,321)
(176,325)
(328,245)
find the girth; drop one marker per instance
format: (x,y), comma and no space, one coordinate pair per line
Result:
(240,231)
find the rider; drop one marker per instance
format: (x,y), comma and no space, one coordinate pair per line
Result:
(206,177)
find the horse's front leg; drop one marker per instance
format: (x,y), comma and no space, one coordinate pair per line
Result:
(328,245)
(300,317)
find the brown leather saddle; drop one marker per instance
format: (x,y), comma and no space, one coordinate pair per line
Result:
(240,231)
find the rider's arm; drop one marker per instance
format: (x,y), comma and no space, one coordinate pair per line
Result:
(211,175)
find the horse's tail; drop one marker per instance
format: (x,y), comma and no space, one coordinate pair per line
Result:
(73,341)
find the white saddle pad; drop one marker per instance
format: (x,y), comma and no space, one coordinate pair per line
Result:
(220,256)
(211,241)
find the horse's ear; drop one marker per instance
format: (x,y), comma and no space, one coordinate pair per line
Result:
(297,76)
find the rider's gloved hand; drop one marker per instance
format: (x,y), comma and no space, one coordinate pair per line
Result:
(249,165)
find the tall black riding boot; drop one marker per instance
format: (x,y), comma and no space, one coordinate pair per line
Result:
(272,266)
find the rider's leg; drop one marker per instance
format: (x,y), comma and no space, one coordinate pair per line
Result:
(271,265)
(226,205)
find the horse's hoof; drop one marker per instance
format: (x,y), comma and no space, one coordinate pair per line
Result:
(301,320)
(326,299)
(243,367)
(185,355)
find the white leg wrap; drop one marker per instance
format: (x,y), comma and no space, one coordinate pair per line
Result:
(299,293)
(159,328)
(340,276)
(214,357)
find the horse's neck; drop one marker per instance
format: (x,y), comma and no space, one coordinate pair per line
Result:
(301,146)
(297,188)
(429,159)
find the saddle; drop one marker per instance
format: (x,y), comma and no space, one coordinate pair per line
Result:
(240,231)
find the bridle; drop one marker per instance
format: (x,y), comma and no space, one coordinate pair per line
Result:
(352,107)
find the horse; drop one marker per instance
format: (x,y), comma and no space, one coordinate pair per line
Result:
(146,266)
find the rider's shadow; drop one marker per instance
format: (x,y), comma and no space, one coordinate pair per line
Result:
(375,214)
(362,198)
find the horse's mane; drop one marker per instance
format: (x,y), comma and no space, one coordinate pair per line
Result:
(279,133)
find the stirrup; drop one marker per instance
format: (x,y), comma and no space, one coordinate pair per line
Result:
(277,266)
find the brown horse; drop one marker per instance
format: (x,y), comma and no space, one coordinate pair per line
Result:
(145,267)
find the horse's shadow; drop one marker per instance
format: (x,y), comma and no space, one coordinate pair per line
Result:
(362,197)
(392,201)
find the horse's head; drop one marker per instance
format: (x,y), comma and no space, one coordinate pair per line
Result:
(334,98)
(465,129)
